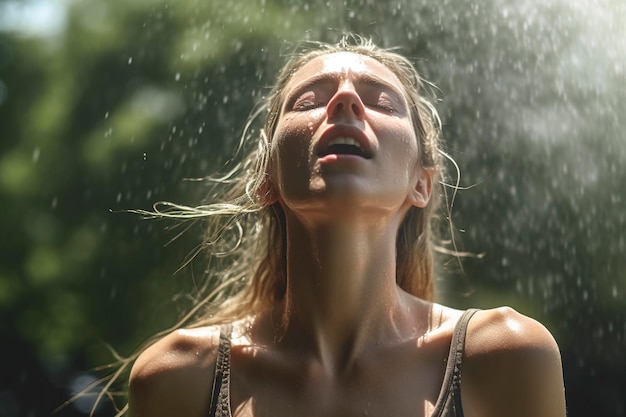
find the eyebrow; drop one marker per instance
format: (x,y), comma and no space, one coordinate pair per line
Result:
(367,79)
(373,80)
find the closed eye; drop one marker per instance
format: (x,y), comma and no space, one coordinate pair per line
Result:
(385,107)
(305,105)
(311,95)
(379,100)
(304,101)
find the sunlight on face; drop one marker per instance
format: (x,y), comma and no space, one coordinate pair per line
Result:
(344,61)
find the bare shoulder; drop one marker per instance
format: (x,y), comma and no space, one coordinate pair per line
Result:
(512,367)
(505,329)
(174,376)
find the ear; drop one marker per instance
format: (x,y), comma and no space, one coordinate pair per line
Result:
(420,195)
(266,194)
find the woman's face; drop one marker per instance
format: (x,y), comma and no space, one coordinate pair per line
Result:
(345,140)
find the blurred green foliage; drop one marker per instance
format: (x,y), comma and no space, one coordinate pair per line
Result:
(129,99)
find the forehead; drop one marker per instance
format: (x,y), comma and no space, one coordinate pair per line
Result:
(342,65)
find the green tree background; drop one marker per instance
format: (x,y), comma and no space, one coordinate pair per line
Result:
(108,105)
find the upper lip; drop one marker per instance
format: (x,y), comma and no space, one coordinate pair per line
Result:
(344,130)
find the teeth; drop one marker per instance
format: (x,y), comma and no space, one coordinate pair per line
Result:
(344,141)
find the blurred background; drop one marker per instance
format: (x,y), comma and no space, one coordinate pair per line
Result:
(108,105)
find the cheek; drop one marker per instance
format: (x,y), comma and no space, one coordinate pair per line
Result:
(290,156)
(404,142)
(290,125)
(404,162)
(291,139)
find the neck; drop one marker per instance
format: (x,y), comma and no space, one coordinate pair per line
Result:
(342,298)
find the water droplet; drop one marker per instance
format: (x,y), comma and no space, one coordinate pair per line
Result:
(130,60)
(36,154)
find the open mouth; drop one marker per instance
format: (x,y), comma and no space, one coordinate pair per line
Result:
(344,146)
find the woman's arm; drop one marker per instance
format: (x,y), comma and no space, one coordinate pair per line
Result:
(512,368)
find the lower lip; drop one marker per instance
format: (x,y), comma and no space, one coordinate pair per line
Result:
(330,158)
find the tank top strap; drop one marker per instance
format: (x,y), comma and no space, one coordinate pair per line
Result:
(449,401)
(220,394)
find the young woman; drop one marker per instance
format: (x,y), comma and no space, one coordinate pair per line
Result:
(329,310)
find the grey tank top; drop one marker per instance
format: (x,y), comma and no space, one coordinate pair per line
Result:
(448,404)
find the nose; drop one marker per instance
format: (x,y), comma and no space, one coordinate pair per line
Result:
(346,103)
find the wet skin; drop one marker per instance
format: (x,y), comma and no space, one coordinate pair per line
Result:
(346,341)
(346,95)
